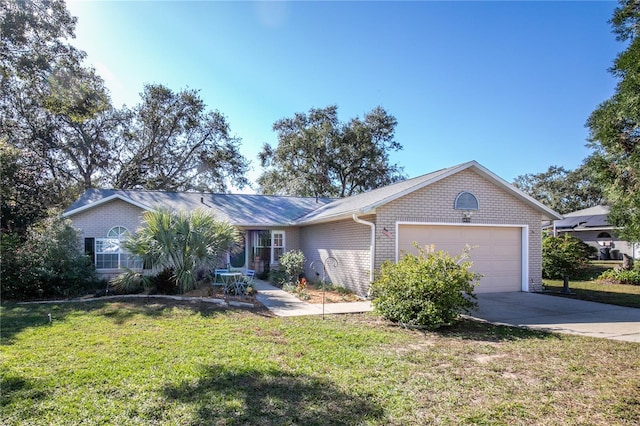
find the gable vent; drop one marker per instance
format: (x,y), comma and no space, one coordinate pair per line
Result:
(466,201)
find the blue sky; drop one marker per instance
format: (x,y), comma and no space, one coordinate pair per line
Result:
(509,84)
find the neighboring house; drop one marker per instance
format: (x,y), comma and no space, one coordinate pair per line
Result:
(592,227)
(449,209)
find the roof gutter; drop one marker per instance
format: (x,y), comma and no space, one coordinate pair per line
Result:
(372,247)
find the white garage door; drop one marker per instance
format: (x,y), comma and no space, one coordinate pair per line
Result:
(496,251)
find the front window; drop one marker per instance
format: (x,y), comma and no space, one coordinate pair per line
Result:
(268,246)
(110,254)
(277,245)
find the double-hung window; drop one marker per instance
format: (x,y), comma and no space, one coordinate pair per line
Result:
(277,245)
(110,254)
(269,245)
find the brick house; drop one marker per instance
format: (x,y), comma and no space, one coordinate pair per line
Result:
(449,209)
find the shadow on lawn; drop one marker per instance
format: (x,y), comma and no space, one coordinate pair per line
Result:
(16,388)
(250,397)
(468,329)
(600,296)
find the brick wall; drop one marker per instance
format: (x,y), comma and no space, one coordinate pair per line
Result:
(348,242)
(434,204)
(96,222)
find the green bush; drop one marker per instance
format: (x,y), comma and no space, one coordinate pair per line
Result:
(292,264)
(428,290)
(621,276)
(563,255)
(47,263)
(277,278)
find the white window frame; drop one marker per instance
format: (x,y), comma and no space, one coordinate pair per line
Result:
(272,248)
(282,247)
(112,246)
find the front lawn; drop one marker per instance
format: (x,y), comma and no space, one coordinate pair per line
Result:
(166,362)
(586,287)
(597,291)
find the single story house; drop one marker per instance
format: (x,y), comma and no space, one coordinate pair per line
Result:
(592,226)
(449,209)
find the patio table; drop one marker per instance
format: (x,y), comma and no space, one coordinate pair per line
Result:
(233,280)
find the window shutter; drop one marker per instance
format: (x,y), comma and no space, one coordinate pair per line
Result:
(90,249)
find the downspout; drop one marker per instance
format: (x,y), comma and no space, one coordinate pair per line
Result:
(372,247)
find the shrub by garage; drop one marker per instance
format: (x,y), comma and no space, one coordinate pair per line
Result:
(426,290)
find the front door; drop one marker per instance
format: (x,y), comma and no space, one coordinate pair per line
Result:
(260,250)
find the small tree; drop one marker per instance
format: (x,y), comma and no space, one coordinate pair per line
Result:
(182,243)
(563,255)
(426,290)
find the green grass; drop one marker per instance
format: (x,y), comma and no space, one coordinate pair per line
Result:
(157,362)
(596,291)
(586,287)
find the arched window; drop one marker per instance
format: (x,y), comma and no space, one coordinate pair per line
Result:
(110,254)
(604,235)
(119,232)
(466,201)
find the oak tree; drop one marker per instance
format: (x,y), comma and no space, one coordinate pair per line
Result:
(318,155)
(562,190)
(174,143)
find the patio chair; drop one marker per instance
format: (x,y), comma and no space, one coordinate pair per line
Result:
(249,276)
(217,278)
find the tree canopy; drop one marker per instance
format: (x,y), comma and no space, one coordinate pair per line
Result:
(318,155)
(615,128)
(173,143)
(562,190)
(38,69)
(62,135)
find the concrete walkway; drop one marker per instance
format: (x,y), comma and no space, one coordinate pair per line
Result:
(284,304)
(531,310)
(560,314)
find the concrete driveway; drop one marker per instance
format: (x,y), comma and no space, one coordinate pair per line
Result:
(560,314)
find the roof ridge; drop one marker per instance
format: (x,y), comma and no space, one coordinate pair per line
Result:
(160,191)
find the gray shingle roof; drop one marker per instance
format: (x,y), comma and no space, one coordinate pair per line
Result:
(237,209)
(369,201)
(270,210)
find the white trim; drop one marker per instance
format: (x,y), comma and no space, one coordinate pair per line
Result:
(524,241)
(283,247)
(484,172)
(525,258)
(106,200)
(599,228)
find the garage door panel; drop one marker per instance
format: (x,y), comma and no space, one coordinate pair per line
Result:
(506,252)
(496,252)
(503,234)
(480,251)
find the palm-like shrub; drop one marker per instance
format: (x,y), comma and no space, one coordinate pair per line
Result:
(183,243)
